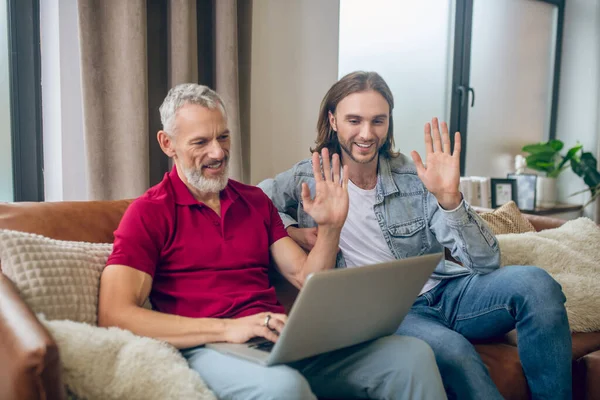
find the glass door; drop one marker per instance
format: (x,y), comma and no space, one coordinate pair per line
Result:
(410,44)
(510,90)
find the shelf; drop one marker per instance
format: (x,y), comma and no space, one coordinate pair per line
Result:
(557,209)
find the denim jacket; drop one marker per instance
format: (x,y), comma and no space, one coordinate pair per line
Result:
(412,221)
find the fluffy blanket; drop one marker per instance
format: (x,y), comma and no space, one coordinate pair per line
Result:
(571,254)
(101,363)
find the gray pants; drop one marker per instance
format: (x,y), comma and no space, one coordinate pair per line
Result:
(396,367)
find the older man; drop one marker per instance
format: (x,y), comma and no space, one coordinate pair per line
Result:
(199,245)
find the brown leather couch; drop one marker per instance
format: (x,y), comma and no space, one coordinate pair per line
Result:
(29,357)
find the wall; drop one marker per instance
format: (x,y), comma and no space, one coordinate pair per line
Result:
(294,61)
(579,103)
(64,153)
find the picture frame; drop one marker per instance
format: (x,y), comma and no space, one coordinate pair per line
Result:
(526,190)
(503,191)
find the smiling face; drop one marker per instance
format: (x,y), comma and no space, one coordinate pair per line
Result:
(361,121)
(200,147)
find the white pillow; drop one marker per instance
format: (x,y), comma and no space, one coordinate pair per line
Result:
(111,363)
(571,254)
(55,277)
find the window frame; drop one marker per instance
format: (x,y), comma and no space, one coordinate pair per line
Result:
(26,99)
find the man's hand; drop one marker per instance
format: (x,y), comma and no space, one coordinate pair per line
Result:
(305,237)
(442,174)
(241,330)
(330,205)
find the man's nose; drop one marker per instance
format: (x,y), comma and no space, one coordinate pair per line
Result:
(216,150)
(366,132)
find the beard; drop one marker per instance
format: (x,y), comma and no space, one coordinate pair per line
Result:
(347,148)
(196,178)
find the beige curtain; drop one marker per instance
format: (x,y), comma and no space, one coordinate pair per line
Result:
(112,37)
(227,83)
(183,43)
(120,141)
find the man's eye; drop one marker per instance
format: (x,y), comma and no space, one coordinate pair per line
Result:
(354,121)
(200,143)
(224,137)
(378,122)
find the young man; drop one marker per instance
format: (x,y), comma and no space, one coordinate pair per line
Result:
(199,244)
(402,209)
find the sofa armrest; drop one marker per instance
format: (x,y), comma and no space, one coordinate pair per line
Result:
(589,368)
(541,222)
(28,354)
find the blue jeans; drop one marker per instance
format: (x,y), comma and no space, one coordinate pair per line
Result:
(487,306)
(394,367)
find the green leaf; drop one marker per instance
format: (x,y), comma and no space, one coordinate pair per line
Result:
(557,145)
(542,162)
(589,159)
(570,154)
(543,157)
(585,167)
(539,148)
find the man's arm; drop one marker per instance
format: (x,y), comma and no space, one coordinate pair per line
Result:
(285,195)
(123,291)
(329,209)
(466,235)
(295,265)
(453,222)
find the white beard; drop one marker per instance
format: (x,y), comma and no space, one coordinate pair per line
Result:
(207,185)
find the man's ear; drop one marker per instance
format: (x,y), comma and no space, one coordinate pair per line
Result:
(166,143)
(332,122)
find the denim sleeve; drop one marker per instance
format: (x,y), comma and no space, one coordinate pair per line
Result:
(283,192)
(467,236)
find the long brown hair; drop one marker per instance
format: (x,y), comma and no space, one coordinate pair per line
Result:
(358,81)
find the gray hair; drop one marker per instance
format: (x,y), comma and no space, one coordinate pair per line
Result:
(187,93)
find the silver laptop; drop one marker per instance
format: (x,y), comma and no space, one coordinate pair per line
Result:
(340,308)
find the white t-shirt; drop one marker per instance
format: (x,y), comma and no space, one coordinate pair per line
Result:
(361,240)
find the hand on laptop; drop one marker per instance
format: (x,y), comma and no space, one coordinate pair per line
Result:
(267,325)
(305,237)
(330,205)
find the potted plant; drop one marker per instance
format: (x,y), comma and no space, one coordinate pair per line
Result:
(546,157)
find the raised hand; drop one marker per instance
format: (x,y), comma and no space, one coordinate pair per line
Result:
(330,205)
(240,330)
(441,176)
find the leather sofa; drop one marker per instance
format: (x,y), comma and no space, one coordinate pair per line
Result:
(30,359)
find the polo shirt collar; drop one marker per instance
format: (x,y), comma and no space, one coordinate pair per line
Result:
(184,197)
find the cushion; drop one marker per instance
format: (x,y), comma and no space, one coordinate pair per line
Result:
(571,255)
(507,219)
(55,277)
(111,363)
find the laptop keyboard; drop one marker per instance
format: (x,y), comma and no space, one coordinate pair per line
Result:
(263,345)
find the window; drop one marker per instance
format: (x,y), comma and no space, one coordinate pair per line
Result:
(488,67)
(25,99)
(6,162)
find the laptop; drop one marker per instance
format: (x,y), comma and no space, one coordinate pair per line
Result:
(342,307)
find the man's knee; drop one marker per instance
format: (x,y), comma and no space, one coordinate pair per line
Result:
(457,357)
(411,369)
(415,351)
(284,383)
(536,284)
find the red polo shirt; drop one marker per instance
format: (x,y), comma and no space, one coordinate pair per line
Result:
(202,265)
